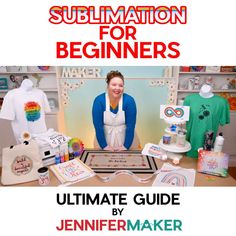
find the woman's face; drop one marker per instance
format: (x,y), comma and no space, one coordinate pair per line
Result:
(115,87)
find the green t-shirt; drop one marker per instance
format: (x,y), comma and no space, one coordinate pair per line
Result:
(206,114)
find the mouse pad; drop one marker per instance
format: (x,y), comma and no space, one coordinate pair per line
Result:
(108,162)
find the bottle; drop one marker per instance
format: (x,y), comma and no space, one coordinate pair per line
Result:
(71,154)
(67,158)
(62,156)
(57,158)
(219,143)
(76,154)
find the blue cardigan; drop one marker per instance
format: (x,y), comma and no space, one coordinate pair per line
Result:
(129,107)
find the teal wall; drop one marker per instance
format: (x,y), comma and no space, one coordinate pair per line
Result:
(149,127)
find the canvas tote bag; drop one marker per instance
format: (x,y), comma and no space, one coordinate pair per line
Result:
(20,163)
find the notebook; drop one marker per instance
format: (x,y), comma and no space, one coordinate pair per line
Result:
(213,163)
(71,172)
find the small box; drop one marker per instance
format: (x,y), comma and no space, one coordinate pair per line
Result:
(213,163)
(197,68)
(213,69)
(3,69)
(3,83)
(185,68)
(14,69)
(227,69)
(232,103)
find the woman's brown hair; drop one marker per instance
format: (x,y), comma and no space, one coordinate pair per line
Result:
(112,74)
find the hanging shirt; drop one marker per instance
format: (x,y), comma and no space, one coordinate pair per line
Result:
(26,110)
(129,108)
(206,114)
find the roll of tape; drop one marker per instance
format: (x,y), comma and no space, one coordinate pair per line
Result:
(26,136)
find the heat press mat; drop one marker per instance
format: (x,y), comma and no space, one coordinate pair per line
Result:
(109,162)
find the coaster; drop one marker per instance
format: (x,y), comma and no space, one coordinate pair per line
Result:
(109,162)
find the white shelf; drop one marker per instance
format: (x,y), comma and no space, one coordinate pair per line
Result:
(216,91)
(49,89)
(28,72)
(174,148)
(208,73)
(43,89)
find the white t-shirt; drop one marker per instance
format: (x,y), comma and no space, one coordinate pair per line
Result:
(26,110)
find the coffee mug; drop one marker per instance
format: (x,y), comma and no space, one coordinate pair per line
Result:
(44,178)
(166,139)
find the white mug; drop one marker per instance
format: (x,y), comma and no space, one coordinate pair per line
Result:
(44,178)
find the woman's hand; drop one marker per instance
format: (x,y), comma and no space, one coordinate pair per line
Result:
(120,148)
(108,148)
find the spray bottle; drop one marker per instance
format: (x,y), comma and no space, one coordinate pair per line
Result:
(219,143)
(208,143)
(57,158)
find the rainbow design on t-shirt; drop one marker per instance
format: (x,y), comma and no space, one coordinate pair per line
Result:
(32,111)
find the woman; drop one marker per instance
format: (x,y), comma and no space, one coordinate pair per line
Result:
(114,116)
